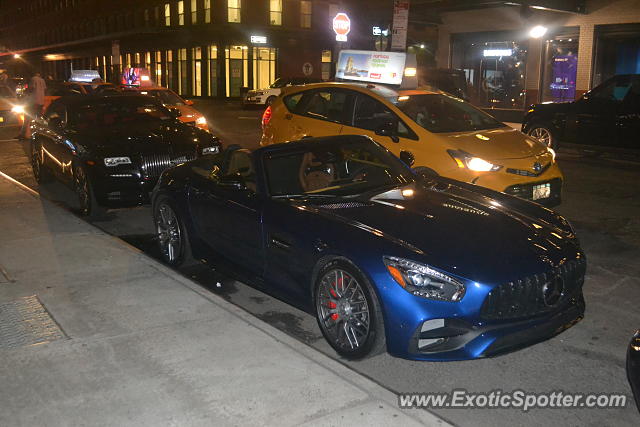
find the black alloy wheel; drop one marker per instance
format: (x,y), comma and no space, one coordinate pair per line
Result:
(84,190)
(171,234)
(348,311)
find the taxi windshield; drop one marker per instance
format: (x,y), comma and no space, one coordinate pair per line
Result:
(439,113)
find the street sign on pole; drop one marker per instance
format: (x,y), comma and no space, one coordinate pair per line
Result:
(400,24)
(341,26)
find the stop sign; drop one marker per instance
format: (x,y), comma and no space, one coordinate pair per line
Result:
(341,26)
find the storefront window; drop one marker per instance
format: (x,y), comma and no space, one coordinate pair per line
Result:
(617,51)
(158,68)
(182,71)
(212,74)
(169,72)
(326,65)
(236,69)
(196,71)
(264,67)
(560,69)
(495,72)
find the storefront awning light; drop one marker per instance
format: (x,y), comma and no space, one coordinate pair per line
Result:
(537,31)
(498,52)
(259,39)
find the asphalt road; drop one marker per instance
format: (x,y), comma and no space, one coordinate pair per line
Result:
(601,199)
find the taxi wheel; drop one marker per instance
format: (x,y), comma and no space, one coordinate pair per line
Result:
(544,134)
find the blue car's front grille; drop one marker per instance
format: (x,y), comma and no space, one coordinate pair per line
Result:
(535,295)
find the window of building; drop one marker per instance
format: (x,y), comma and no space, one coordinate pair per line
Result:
(146,17)
(305,14)
(236,69)
(169,70)
(182,71)
(207,11)
(234,8)
(167,14)
(196,71)
(181,13)
(147,60)
(158,69)
(194,12)
(275,12)
(137,63)
(212,71)
(326,65)
(264,67)
(560,69)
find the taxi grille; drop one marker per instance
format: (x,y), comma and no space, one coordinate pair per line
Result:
(524,297)
(524,172)
(152,165)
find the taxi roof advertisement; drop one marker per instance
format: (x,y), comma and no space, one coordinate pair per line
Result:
(371,66)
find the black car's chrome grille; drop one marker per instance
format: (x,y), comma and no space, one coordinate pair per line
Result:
(152,165)
(526,297)
(344,205)
(524,172)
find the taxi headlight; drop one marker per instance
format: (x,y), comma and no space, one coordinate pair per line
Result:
(115,161)
(201,120)
(466,160)
(18,109)
(424,281)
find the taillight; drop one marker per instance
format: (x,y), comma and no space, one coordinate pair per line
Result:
(266,116)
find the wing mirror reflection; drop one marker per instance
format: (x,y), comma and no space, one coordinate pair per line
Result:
(388,129)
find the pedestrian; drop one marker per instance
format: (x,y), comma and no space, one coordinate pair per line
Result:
(35,102)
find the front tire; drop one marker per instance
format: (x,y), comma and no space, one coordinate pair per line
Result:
(348,311)
(84,190)
(544,134)
(171,233)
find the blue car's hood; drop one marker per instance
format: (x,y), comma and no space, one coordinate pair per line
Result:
(462,231)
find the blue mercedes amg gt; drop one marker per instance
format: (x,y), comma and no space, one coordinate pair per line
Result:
(425,267)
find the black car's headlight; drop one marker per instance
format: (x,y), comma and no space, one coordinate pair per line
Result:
(210,150)
(115,161)
(422,280)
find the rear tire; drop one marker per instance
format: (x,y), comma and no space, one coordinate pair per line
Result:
(543,133)
(348,311)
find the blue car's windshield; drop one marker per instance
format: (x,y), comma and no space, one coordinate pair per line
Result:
(334,169)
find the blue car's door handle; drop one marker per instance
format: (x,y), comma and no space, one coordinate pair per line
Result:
(279,243)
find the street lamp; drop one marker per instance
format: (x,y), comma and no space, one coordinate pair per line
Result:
(16,55)
(537,31)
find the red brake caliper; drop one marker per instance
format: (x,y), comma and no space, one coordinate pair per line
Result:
(332,305)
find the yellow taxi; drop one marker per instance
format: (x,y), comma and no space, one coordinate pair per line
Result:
(445,135)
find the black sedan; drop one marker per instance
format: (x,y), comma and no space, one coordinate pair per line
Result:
(633,366)
(112,149)
(606,116)
(428,269)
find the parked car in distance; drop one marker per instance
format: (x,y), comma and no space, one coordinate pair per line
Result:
(446,135)
(606,116)
(11,109)
(428,269)
(111,149)
(266,96)
(171,100)
(633,366)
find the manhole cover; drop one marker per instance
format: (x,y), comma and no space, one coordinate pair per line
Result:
(26,322)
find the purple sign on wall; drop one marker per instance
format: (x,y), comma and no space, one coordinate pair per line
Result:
(563,78)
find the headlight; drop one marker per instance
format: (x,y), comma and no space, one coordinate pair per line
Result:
(115,161)
(209,150)
(18,109)
(201,120)
(424,281)
(466,160)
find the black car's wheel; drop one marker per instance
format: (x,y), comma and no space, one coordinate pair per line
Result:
(84,190)
(544,134)
(40,172)
(348,311)
(269,101)
(171,234)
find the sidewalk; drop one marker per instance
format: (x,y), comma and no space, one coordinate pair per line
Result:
(93,332)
